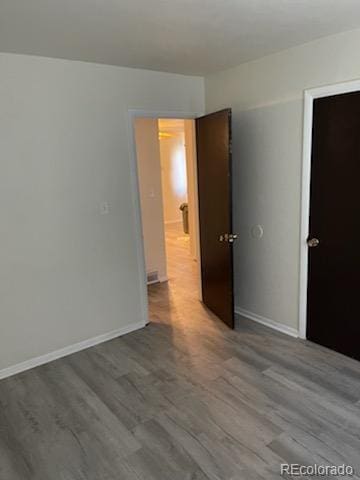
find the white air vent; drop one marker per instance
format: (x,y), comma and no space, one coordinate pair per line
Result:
(153,277)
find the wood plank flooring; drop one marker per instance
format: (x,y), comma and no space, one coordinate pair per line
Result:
(182,399)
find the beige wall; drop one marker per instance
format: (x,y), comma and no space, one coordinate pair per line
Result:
(191,170)
(266,98)
(149,174)
(173,174)
(68,272)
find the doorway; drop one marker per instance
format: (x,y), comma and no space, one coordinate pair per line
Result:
(184,183)
(333,226)
(166,165)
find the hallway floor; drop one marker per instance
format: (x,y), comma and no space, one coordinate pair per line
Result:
(182,399)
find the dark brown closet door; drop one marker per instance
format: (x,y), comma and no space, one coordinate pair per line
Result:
(334,242)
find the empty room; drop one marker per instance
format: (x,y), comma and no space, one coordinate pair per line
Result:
(179,213)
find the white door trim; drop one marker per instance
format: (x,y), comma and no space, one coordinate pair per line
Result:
(132,114)
(309,96)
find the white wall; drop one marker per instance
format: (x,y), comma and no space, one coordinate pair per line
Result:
(266,98)
(173,175)
(68,273)
(149,174)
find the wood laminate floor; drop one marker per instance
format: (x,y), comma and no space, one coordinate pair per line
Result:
(182,399)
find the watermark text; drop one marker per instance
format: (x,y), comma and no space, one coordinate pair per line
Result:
(296,470)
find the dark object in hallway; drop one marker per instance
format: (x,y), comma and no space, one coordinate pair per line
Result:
(184,208)
(334,265)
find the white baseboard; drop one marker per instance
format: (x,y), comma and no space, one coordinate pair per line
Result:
(280,327)
(63,352)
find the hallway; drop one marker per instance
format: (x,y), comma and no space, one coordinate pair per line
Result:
(182,287)
(182,399)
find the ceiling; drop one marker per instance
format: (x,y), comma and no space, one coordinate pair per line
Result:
(185,36)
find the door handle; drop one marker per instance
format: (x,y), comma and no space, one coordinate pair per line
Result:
(313,242)
(228,237)
(232,237)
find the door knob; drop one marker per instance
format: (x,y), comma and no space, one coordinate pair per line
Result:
(228,237)
(232,237)
(313,242)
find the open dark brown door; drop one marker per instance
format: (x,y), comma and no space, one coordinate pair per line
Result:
(334,258)
(213,141)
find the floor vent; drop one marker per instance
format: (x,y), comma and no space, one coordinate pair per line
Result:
(153,277)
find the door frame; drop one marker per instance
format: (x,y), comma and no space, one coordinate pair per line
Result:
(132,114)
(309,97)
